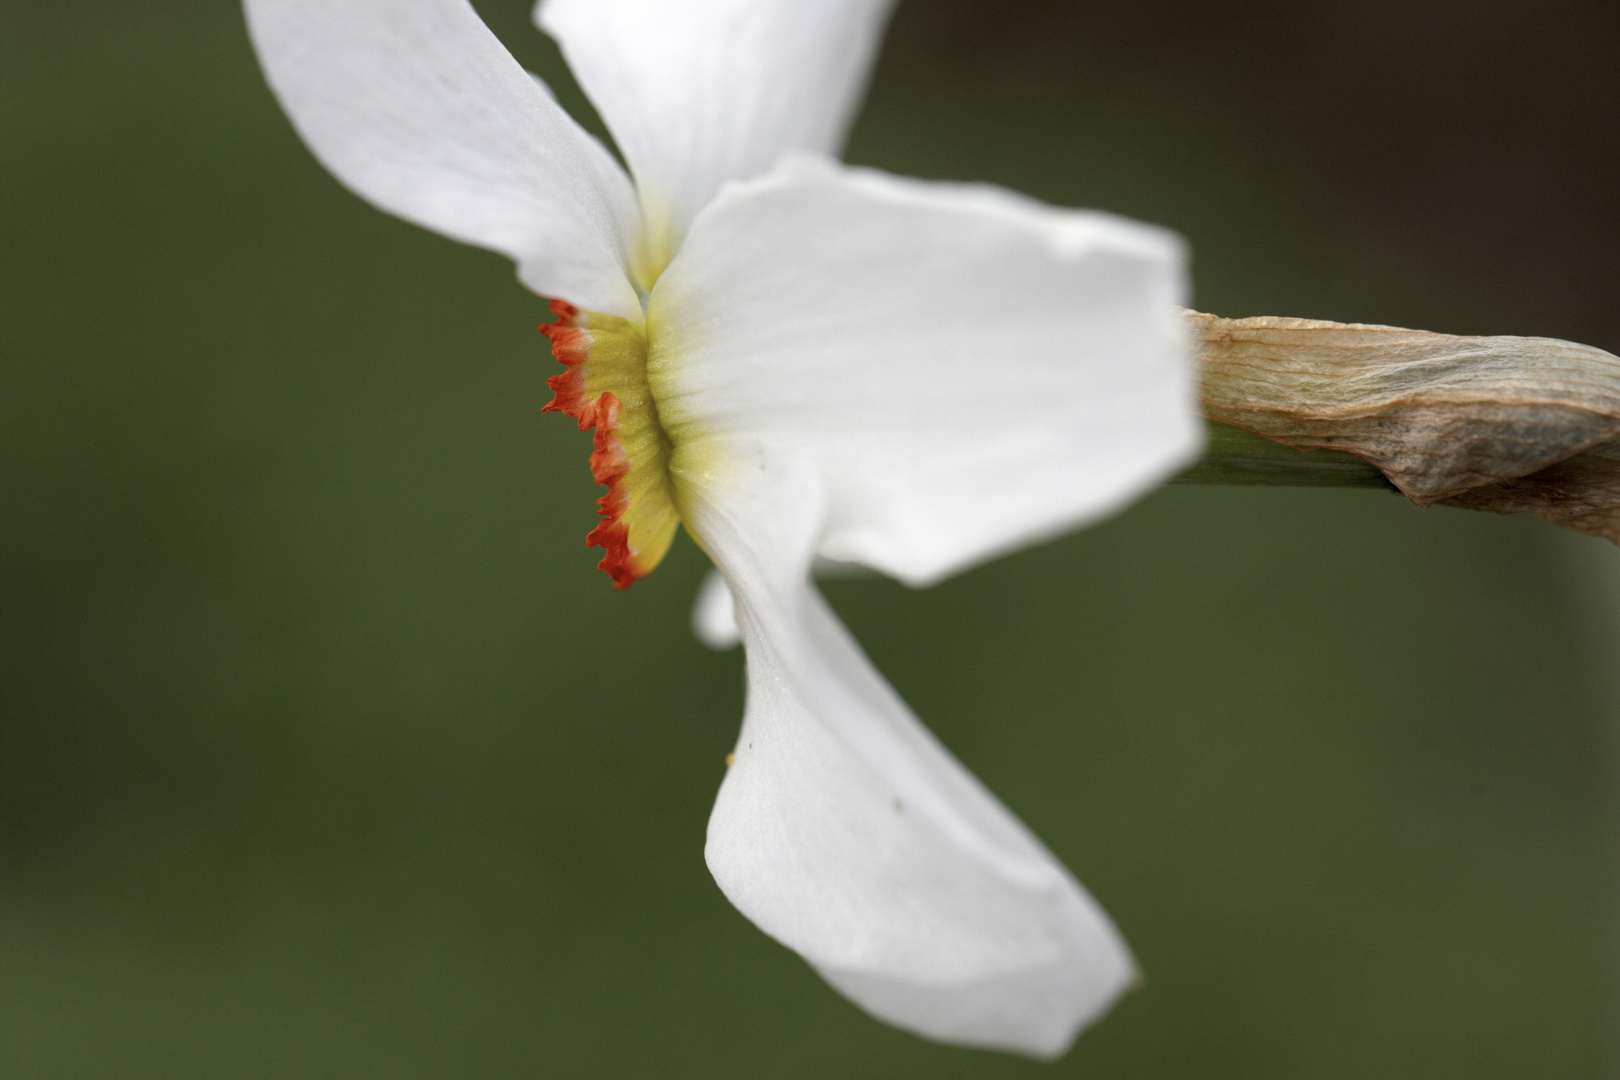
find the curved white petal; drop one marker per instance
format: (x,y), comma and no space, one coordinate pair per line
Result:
(969,370)
(714,614)
(415,106)
(846,831)
(702,91)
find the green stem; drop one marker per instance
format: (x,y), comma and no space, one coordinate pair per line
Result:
(1235,456)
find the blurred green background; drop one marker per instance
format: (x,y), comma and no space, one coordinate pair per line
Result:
(325,751)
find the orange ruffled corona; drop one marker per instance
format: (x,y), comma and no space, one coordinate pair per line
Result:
(605,387)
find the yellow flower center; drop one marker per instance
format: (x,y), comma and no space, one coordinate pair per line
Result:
(605,387)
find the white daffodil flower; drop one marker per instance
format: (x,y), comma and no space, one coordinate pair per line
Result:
(795,360)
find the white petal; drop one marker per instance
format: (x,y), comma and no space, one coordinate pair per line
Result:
(969,370)
(416,106)
(846,831)
(714,614)
(702,91)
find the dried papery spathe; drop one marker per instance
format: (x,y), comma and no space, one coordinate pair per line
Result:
(1580,493)
(1508,424)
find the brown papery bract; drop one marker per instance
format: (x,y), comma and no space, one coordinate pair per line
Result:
(1508,424)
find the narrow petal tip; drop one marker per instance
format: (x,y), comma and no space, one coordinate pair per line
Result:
(1037,1013)
(714,614)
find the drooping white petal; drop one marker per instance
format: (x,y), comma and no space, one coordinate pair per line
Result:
(415,106)
(846,831)
(969,370)
(714,614)
(702,91)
